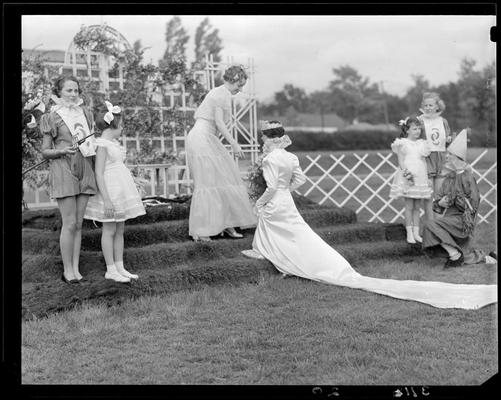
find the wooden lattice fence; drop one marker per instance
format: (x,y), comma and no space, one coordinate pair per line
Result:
(362,182)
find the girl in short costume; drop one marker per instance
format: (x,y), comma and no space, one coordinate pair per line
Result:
(220,200)
(118,199)
(438,135)
(71,176)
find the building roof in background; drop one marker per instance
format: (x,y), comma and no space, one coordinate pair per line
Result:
(50,55)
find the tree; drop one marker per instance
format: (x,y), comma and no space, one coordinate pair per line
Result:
(207,41)
(414,94)
(176,38)
(353,95)
(291,96)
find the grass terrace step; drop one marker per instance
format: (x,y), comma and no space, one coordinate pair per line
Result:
(137,235)
(352,239)
(50,219)
(41,298)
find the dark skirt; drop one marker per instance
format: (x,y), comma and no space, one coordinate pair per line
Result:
(71,176)
(445,229)
(434,164)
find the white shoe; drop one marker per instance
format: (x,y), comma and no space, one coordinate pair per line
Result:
(252,254)
(410,235)
(415,233)
(115,276)
(127,274)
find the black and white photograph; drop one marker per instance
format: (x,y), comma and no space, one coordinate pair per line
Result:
(258,200)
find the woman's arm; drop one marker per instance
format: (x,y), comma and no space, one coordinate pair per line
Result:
(270,174)
(298,176)
(221,126)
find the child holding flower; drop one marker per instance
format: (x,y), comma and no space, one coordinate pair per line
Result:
(411,180)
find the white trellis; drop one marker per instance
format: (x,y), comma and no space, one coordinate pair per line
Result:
(367,193)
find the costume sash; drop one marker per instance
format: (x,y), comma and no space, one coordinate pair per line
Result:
(435,133)
(76,122)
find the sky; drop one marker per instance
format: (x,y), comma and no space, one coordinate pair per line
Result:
(303,50)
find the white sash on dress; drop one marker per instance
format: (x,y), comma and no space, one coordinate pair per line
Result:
(77,124)
(435,133)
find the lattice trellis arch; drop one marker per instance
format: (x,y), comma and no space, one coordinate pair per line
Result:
(96,66)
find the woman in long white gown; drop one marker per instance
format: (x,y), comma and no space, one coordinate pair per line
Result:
(284,238)
(220,200)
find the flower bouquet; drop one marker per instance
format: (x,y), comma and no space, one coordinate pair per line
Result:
(408,176)
(255,179)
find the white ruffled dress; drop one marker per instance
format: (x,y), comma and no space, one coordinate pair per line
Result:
(220,198)
(414,153)
(120,186)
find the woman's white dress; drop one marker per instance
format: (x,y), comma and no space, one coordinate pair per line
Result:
(220,199)
(284,238)
(120,186)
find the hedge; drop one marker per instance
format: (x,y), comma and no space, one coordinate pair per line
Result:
(361,140)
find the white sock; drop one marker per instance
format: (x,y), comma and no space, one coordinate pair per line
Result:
(455,256)
(410,235)
(122,271)
(112,273)
(415,232)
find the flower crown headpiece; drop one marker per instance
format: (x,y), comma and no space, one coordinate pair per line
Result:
(266,125)
(108,117)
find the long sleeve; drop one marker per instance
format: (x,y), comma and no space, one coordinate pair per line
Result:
(467,192)
(298,176)
(270,174)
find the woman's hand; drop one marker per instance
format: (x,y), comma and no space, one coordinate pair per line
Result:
(67,150)
(237,150)
(444,202)
(448,139)
(109,211)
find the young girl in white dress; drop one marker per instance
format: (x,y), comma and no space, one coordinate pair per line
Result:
(220,200)
(285,239)
(118,198)
(411,180)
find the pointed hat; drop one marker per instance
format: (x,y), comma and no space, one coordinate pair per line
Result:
(458,145)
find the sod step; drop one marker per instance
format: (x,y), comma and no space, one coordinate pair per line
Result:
(136,235)
(50,219)
(42,298)
(356,240)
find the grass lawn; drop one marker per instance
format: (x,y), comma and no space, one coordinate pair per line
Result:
(279,331)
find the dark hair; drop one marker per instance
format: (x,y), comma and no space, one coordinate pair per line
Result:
(234,74)
(274,132)
(101,124)
(407,124)
(59,83)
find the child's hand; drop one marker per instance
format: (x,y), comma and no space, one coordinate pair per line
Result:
(444,202)
(448,139)
(108,209)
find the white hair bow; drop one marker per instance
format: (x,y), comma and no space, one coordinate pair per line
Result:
(108,117)
(403,121)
